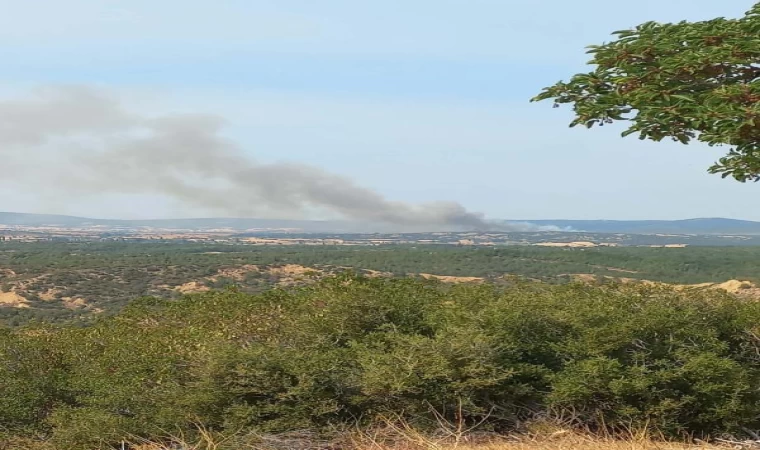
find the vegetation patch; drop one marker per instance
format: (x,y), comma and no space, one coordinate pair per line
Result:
(352,351)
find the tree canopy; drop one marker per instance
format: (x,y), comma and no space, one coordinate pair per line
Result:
(684,81)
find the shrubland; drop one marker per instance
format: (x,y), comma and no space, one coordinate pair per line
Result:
(105,276)
(349,352)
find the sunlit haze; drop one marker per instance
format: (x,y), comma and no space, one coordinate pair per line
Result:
(417,102)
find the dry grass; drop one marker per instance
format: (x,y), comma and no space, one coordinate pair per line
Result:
(397,434)
(538,436)
(574,443)
(566,441)
(569,441)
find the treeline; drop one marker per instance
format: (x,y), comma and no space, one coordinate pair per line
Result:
(673,265)
(676,265)
(350,350)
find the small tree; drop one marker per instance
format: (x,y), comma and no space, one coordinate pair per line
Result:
(686,80)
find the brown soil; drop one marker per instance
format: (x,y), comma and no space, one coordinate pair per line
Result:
(745,289)
(451,279)
(237,273)
(581,244)
(192,287)
(12,299)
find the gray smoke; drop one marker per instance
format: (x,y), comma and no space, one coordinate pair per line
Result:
(81,141)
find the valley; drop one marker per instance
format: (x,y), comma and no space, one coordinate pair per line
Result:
(65,280)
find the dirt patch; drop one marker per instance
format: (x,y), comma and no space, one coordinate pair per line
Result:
(13,300)
(584,277)
(49,295)
(451,279)
(191,288)
(74,302)
(735,286)
(372,273)
(292,273)
(745,289)
(236,273)
(291,270)
(617,269)
(579,244)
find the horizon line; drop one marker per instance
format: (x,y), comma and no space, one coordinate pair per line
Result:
(360,221)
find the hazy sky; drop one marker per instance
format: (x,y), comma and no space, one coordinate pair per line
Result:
(421,100)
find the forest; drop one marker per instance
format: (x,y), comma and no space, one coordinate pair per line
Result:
(49,276)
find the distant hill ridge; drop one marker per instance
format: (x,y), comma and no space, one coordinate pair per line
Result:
(687,226)
(716,225)
(25,219)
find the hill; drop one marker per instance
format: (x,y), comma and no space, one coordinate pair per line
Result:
(23,219)
(686,226)
(704,226)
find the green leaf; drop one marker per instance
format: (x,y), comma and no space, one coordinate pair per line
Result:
(682,80)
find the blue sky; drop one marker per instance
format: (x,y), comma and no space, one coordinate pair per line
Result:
(421,100)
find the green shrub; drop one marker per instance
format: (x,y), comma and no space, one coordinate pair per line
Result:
(352,350)
(33,379)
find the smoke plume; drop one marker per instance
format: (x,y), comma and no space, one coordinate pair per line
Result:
(79,141)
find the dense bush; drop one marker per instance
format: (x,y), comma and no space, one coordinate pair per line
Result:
(353,349)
